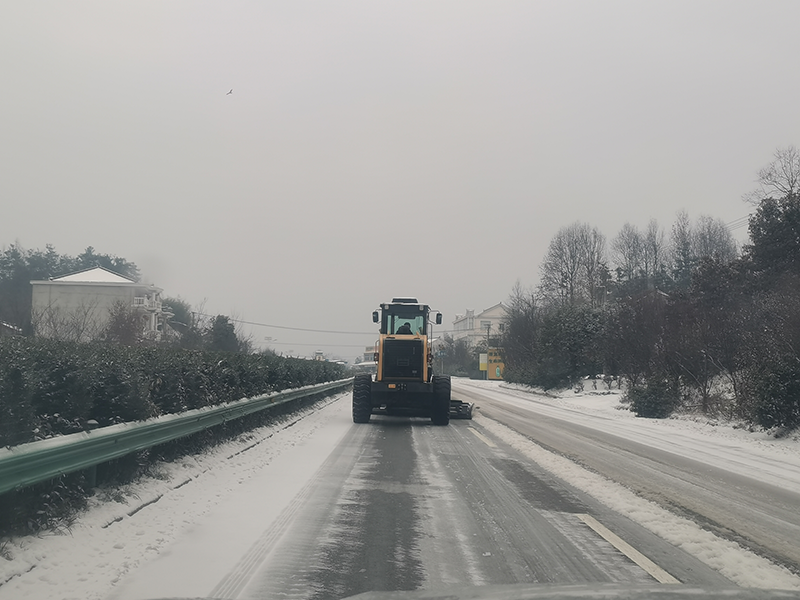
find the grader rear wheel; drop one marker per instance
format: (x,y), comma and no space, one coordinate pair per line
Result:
(440,412)
(362,398)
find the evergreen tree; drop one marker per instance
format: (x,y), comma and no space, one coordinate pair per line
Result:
(775,236)
(221,335)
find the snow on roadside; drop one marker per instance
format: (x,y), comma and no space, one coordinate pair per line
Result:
(125,528)
(736,563)
(753,453)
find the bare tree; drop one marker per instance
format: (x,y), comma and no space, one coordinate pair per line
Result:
(711,238)
(779,178)
(521,331)
(627,251)
(561,269)
(682,257)
(246,338)
(594,267)
(81,323)
(572,268)
(654,252)
(707,238)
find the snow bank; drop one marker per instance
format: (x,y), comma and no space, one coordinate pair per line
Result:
(126,528)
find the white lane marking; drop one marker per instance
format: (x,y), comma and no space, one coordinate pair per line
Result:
(483,438)
(640,559)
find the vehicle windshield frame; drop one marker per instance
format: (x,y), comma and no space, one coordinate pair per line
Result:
(394,316)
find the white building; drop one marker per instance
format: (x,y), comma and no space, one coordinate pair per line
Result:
(475,328)
(77,306)
(366,363)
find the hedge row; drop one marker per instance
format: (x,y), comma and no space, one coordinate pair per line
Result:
(55,505)
(50,388)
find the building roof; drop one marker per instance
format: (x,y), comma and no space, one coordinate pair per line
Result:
(498,305)
(471,312)
(94,275)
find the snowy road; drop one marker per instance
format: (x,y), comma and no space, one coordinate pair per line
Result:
(399,504)
(322,508)
(729,487)
(402,505)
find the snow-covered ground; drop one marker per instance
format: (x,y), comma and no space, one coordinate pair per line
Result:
(729,446)
(209,495)
(189,500)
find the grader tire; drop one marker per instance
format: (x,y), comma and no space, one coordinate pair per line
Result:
(362,398)
(440,412)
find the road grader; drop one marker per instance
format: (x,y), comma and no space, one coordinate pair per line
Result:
(404,383)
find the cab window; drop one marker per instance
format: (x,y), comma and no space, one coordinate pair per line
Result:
(415,325)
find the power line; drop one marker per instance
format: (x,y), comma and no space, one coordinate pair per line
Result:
(738,223)
(319,345)
(286,327)
(294,328)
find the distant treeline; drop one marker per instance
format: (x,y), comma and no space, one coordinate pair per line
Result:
(687,320)
(185,327)
(18,267)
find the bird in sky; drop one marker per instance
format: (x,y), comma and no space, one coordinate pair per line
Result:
(229,93)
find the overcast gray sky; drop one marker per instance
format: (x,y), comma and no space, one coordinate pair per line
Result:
(374,149)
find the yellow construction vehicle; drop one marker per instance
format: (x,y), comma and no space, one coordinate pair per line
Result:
(404,384)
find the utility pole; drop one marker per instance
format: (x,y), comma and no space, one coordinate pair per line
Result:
(488,328)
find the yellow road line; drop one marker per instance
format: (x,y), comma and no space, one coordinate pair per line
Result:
(483,438)
(640,559)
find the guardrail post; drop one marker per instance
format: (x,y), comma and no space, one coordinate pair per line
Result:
(91,477)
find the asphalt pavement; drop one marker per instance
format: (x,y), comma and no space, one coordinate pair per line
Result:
(402,505)
(756,515)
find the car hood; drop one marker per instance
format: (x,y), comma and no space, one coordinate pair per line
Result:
(593,591)
(584,592)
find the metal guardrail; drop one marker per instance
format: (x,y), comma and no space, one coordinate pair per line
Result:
(27,464)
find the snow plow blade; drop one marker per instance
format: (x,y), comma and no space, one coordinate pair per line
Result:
(460,410)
